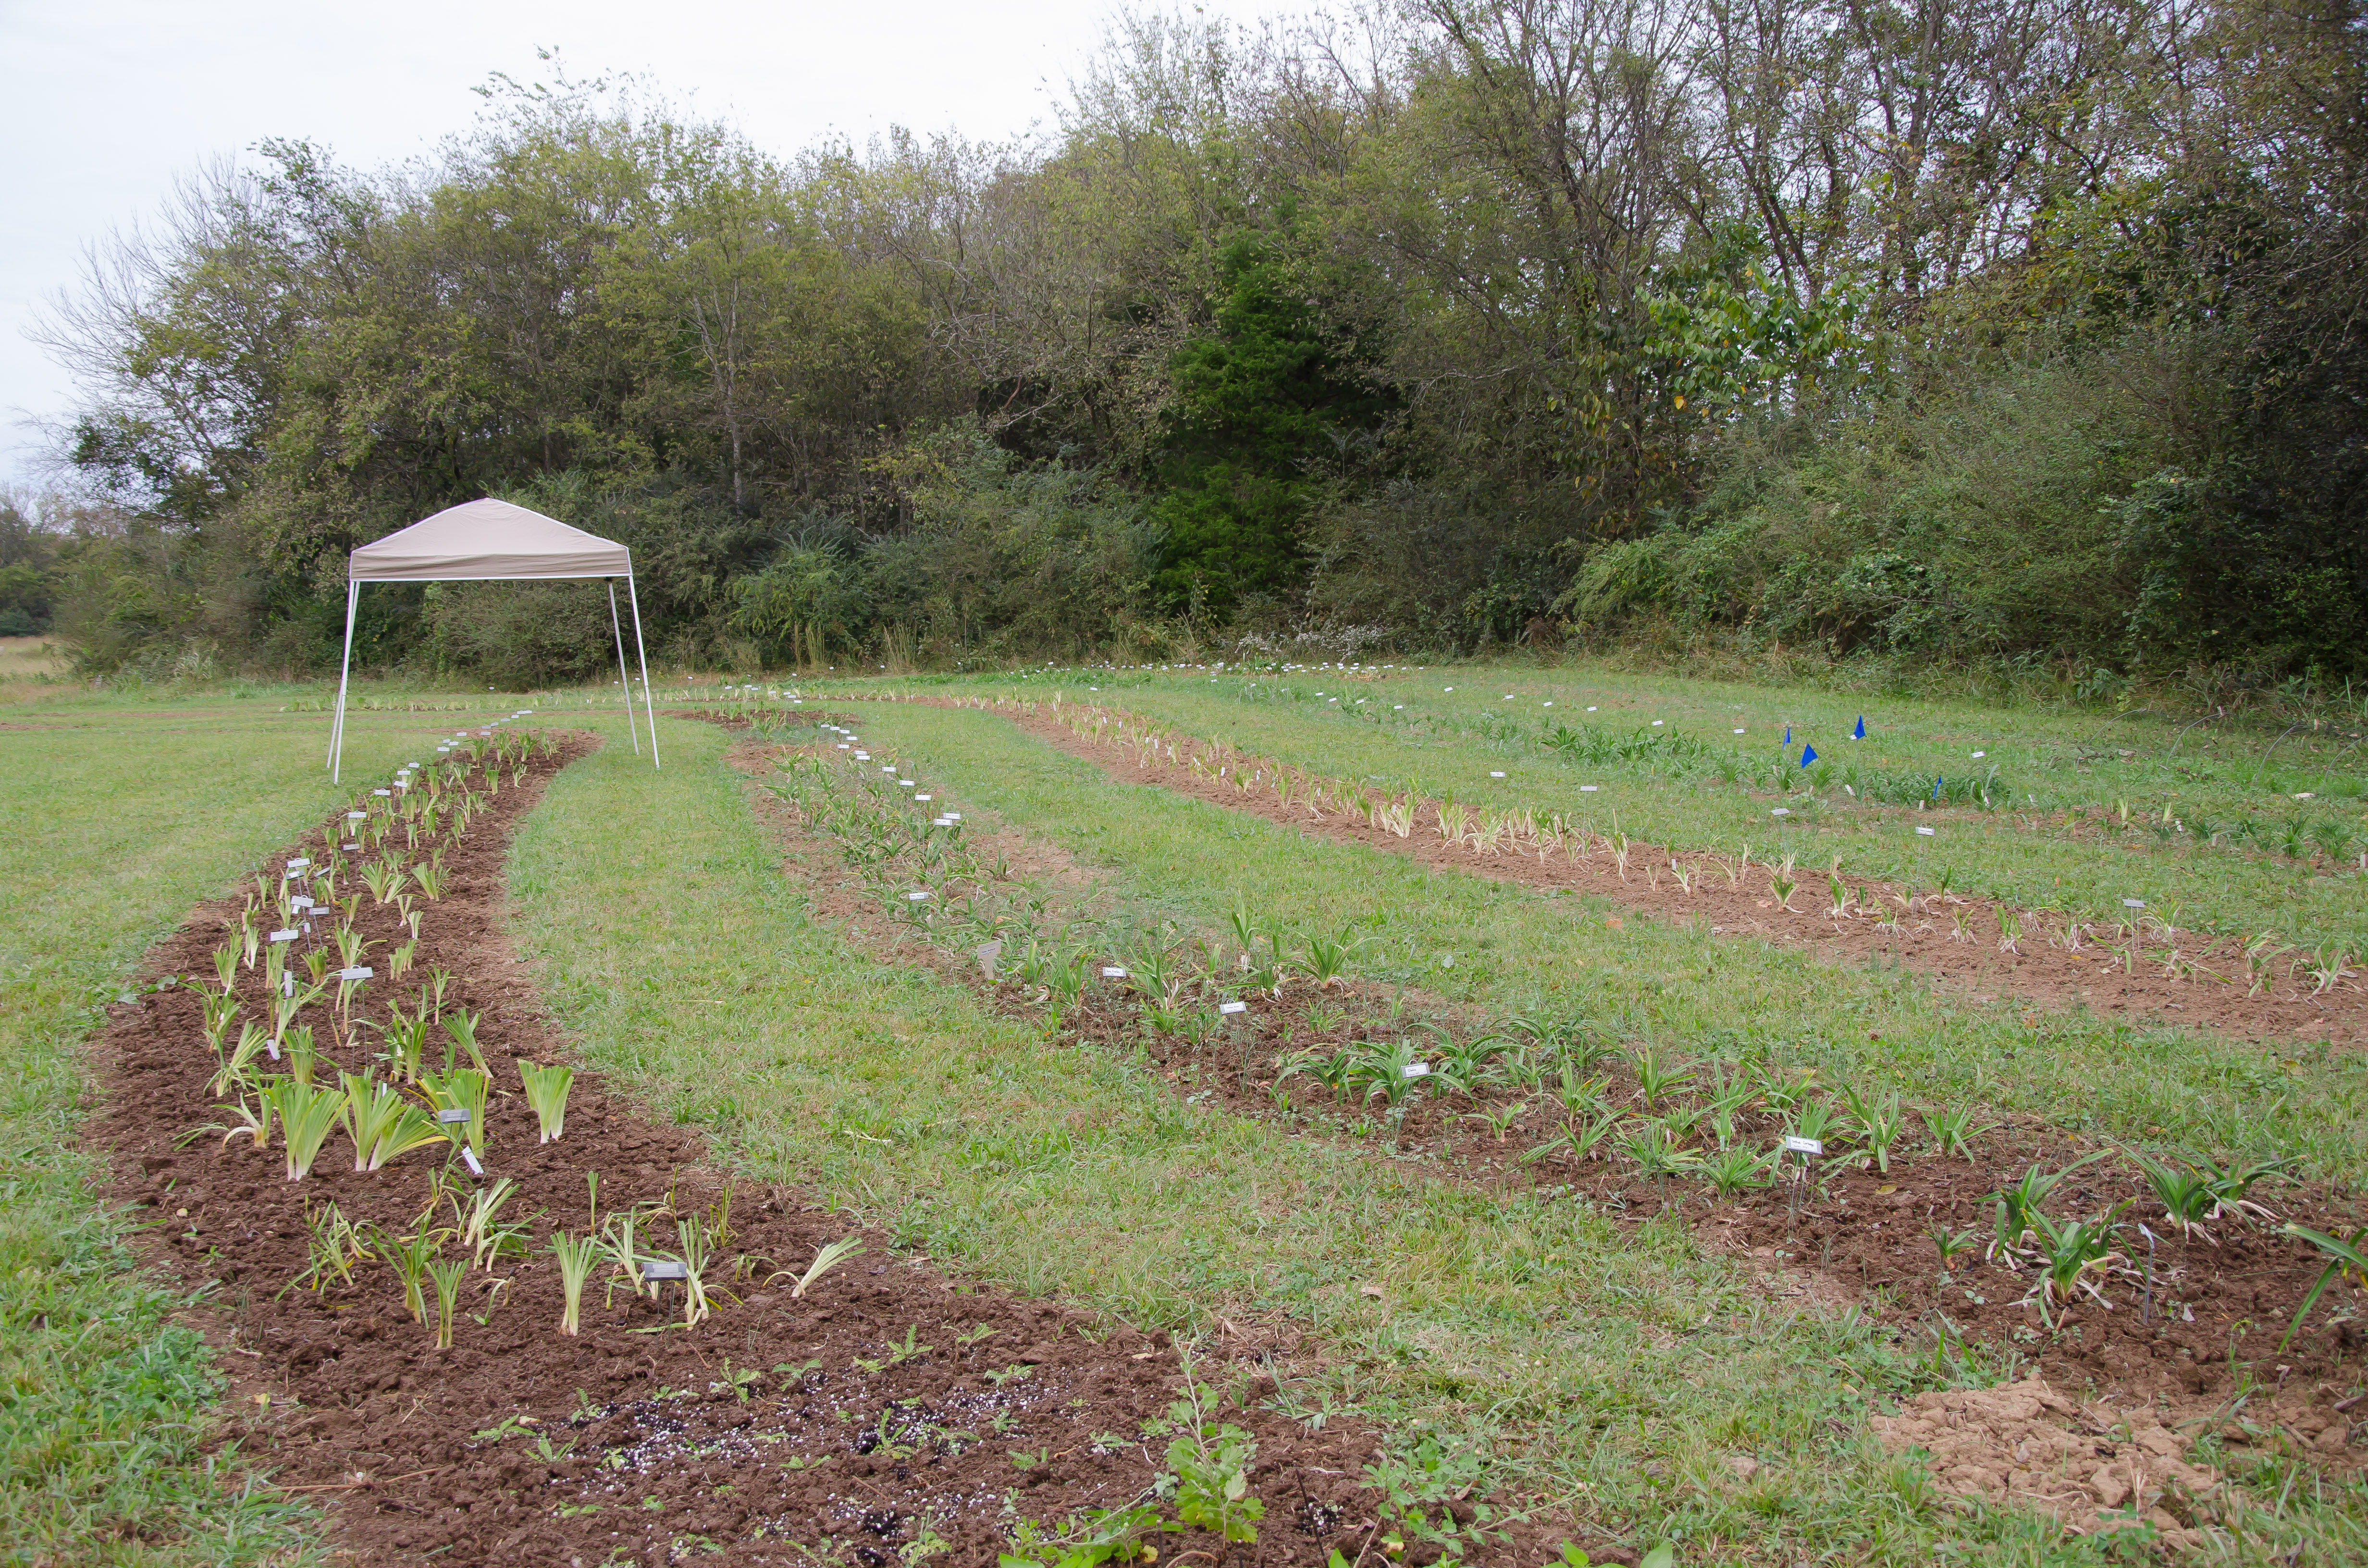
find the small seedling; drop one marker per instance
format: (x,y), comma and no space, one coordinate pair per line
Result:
(1954,1131)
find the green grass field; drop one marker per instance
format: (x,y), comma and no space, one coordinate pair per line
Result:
(1609,1370)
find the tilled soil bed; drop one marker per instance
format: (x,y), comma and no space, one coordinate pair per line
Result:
(2192,980)
(897,1412)
(2183,1325)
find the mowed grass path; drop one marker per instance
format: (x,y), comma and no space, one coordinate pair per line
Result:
(1691,993)
(115,818)
(1615,1371)
(1411,728)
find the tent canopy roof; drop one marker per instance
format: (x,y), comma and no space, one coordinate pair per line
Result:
(487,540)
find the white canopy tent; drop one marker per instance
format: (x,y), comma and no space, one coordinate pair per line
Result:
(492,541)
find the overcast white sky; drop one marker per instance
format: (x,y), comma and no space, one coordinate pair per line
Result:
(107,100)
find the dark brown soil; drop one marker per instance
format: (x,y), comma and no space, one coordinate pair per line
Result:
(895,1405)
(2211,1317)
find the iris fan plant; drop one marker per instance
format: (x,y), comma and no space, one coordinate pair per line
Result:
(546,1092)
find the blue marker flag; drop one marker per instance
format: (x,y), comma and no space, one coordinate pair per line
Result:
(1808,754)
(1859,734)
(1935,785)
(1788,734)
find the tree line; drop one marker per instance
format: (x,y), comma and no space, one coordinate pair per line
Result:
(1970,330)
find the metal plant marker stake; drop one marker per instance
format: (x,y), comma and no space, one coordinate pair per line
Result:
(1808,1149)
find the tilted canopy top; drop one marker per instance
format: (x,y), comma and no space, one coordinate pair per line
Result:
(484,539)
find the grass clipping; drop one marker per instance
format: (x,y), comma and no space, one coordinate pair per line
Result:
(2026,1445)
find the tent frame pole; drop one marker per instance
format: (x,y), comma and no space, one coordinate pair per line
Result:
(345,673)
(624,675)
(641,649)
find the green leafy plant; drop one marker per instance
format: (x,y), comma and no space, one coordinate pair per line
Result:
(305,1115)
(576,1255)
(1580,1136)
(2185,1194)
(1819,1118)
(461,1027)
(2069,1253)
(1878,1123)
(2346,1258)
(1954,1131)
(698,1251)
(826,1257)
(234,1068)
(1088,1541)
(1328,956)
(1657,1080)
(1657,1151)
(406,1041)
(1735,1169)
(446,1275)
(383,1124)
(1211,1464)
(2019,1216)
(2230,1183)
(304,1057)
(1951,1245)
(463,1088)
(384,879)
(482,1229)
(410,1256)
(546,1091)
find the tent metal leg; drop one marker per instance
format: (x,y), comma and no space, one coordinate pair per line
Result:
(641,649)
(345,673)
(624,675)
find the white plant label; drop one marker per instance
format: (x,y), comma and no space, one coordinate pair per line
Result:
(916,895)
(1923,833)
(355,974)
(1803,1145)
(298,865)
(1229,1009)
(2132,904)
(469,1158)
(358,816)
(1416,1070)
(920,797)
(1111,972)
(988,957)
(1781,811)
(385,793)
(1588,788)
(661,1268)
(288,935)
(1496,773)
(451,1117)
(953,816)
